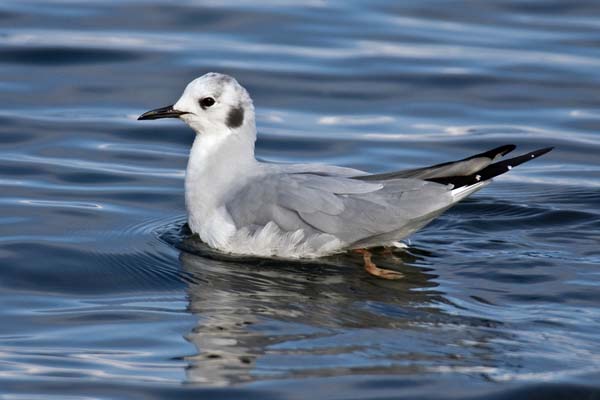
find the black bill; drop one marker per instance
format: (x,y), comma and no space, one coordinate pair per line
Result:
(163,112)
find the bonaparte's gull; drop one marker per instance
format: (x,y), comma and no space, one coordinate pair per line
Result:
(240,205)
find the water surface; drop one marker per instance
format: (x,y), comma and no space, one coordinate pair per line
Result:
(104,295)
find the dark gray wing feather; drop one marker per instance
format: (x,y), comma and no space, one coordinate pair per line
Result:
(466,166)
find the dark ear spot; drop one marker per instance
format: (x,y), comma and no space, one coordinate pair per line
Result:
(235,117)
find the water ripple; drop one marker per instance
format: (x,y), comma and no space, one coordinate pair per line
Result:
(107,291)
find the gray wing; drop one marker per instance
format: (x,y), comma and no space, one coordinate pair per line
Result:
(316,169)
(464,167)
(354,211)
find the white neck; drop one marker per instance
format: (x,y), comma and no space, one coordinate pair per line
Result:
(219,163)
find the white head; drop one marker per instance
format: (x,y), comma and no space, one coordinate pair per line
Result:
(213,104)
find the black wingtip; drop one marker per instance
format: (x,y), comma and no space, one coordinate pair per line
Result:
(541,152)
(492,170)
(493,153)
(504,150)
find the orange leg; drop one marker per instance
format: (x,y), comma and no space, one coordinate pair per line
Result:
(374,270)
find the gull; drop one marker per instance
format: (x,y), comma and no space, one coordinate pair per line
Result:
(239,205)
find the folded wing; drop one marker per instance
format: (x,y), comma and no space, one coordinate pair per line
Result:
(352,210)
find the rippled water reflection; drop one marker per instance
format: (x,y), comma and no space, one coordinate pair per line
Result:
(105,295)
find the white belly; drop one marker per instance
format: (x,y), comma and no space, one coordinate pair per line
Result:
(219,232)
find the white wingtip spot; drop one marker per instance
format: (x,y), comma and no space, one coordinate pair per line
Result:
(509,167)
(478,177)
(533,155)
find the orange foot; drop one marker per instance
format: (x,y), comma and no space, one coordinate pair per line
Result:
(374,270)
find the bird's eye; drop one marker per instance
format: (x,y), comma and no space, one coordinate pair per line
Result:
(207,102)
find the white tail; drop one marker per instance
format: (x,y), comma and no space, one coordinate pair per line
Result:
(465,191)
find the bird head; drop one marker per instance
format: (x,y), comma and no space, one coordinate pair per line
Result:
(211,104)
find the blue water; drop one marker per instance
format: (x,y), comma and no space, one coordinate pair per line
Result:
(104,295)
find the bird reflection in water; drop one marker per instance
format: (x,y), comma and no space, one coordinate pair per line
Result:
(271,319)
